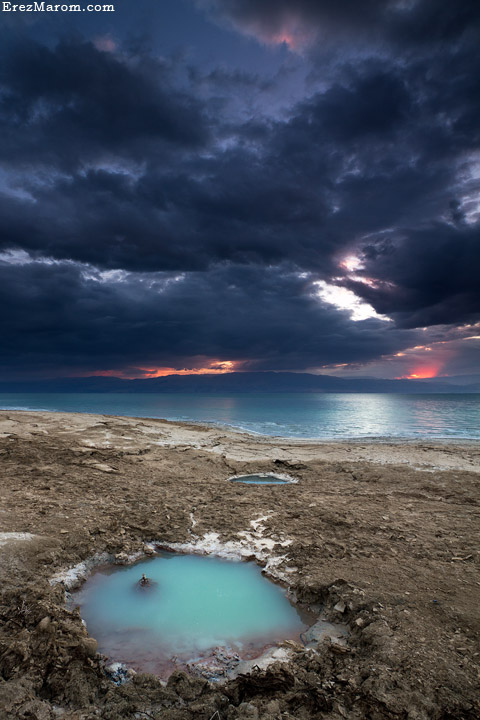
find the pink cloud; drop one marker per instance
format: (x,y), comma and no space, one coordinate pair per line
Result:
(105,43)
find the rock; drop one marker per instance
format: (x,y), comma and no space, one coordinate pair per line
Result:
(273,708)
(89,646)
(340,709)
(324,631)
(269,657)
(44,624)
(148,549)
(359,622)
(338,646)
(121,558)
(103,467)
(187,687)
(35,709)
(340,606)
(247,710)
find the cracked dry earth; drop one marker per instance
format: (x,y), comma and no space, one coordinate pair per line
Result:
(388,533)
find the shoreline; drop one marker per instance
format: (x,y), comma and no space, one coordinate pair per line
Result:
(383,535)
(214,424)
(459,441)
(427,455)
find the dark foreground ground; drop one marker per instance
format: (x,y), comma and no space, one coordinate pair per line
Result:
(388,533)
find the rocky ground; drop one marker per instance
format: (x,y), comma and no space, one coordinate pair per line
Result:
(385,533)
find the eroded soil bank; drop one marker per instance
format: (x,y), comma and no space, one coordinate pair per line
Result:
(385,533)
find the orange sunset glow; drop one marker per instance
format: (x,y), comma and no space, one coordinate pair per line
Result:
(439,354)
(422,373)
(215,367)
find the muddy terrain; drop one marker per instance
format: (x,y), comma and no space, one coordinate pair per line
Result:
(384,536)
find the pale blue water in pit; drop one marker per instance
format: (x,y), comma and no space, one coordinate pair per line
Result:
(194,605)
(261,480)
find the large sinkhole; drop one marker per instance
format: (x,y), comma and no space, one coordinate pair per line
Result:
(191,606)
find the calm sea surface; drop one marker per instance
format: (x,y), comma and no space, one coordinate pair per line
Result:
(301,415)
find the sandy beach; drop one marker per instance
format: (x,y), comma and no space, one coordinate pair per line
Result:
(385,536)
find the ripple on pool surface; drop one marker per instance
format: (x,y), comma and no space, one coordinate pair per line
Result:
(195,603)
(263,479)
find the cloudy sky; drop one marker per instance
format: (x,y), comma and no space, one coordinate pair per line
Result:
(218,185)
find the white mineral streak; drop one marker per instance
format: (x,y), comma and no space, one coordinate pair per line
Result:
(249,543)
(7,537)
(74,576)
(259,521)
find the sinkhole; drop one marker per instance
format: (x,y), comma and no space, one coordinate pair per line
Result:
(192,607)
(263,479)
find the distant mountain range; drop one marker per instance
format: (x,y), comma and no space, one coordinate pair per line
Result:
(265,382)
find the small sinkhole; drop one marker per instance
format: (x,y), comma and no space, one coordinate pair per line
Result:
(193,610)
(263,479)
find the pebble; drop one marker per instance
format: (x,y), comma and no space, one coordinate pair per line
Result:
(44,624)
(90,645)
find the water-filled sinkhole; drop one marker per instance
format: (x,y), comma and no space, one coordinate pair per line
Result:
(262,479)
(193,605)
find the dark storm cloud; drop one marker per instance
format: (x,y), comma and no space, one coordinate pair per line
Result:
(348,160)
(266,196)
(70,104)
(432,276)
(164,222)
(72,315)
(125,161)
(417,22)
(269,19)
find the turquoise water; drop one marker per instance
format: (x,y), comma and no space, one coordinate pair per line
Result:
(195,603)
(260,480)
(301,415)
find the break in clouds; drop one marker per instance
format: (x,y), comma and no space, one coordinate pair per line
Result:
(319,210)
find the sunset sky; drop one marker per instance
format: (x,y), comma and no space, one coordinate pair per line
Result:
(233,185)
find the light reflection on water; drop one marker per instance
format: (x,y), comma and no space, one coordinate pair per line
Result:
(303,415)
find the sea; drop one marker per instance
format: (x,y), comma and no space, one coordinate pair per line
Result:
(332,416)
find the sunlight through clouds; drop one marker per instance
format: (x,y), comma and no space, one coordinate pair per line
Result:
(344,299)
